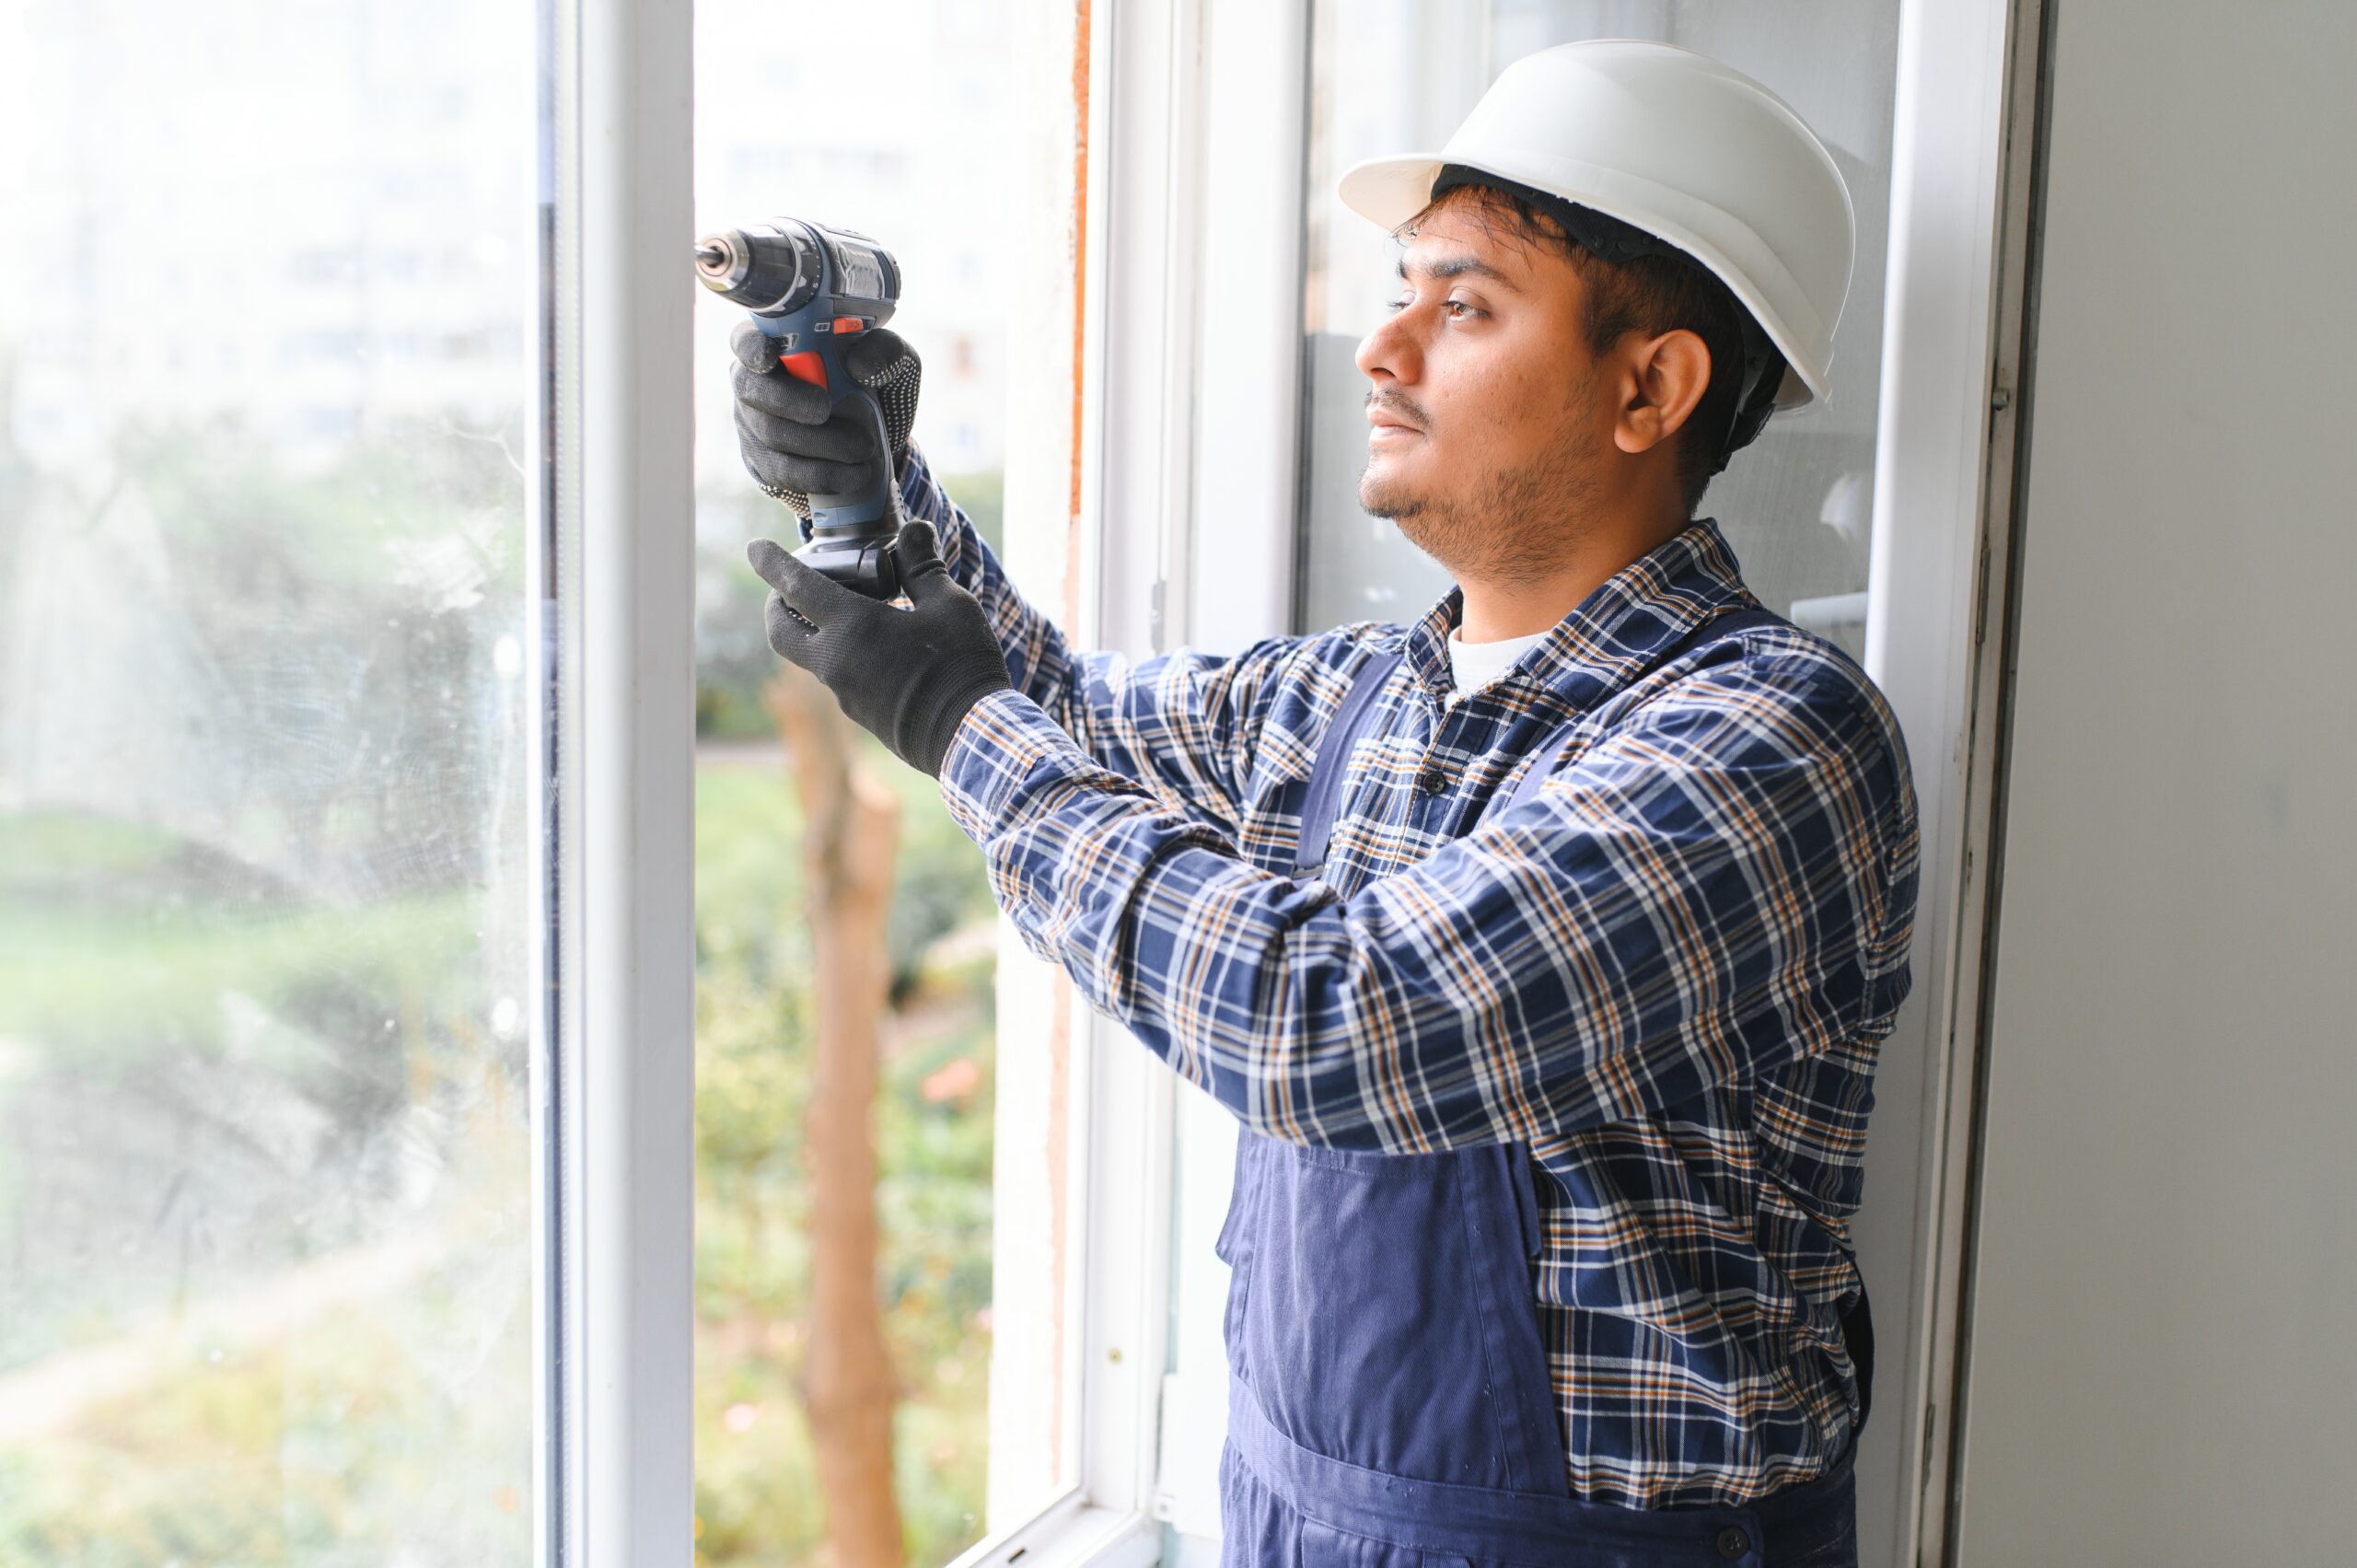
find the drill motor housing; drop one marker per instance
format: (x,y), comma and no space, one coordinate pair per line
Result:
(812,289)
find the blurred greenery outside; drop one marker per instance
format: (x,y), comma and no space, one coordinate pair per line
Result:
(123,948)
(755,1487)
(756,1477)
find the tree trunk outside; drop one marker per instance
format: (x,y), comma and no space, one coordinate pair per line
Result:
(852,823)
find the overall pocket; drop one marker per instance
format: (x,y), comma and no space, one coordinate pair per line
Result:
(1367,1319)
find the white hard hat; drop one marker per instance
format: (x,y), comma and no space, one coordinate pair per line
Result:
(1677,145)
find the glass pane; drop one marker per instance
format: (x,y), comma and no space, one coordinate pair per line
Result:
(1397,75)
(266,292)
(951,156)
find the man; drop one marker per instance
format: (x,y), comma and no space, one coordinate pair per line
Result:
(1554,1077)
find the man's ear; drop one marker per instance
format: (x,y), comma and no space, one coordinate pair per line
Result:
(1664,379)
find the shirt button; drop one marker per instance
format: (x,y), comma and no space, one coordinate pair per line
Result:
(1733,1542)
(1432,781)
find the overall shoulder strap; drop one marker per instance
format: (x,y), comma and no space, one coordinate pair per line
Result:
(1549,751)
(1333,754)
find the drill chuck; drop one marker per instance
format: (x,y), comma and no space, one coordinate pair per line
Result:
(776,269)
(767,269)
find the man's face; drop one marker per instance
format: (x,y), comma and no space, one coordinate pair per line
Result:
(1489,422)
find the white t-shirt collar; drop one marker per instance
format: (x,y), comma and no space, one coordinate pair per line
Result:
(1474,665)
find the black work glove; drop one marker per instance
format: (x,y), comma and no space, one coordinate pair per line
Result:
(906,676)
(795,441)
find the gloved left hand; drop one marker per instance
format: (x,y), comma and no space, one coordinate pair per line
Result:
(906,676)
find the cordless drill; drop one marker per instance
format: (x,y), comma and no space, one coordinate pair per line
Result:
(811,290)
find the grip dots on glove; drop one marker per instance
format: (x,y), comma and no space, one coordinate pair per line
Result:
(896,391)
(894,387)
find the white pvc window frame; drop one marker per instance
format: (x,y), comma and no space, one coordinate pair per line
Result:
(1221,406)
(611,561)
(610,556)
(1963,217)
(1941,525)
(1119,1157)
(1189,495)
(1132,507)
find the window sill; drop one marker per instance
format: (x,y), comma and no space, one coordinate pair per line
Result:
(1071,1533)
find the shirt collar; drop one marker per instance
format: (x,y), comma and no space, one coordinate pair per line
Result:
(1615,633)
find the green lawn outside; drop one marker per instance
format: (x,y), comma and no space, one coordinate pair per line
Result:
(330,1443)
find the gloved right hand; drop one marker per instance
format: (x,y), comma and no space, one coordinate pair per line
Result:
(797,442)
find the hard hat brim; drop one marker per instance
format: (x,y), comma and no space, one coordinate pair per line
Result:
(1388,191)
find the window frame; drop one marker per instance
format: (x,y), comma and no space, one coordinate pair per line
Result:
(1962,103)
(1184,408)
(1133,499)
(1228,551)
(610,556)
(1962,215)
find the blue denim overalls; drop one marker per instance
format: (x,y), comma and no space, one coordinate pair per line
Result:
(1389,1403)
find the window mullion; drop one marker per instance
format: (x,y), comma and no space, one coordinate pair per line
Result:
(627,1073)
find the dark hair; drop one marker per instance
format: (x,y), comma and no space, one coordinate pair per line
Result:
(1655,292)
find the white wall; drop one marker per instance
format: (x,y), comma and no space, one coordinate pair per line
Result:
(2163,1368)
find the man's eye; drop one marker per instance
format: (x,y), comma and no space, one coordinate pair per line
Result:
(1395,306)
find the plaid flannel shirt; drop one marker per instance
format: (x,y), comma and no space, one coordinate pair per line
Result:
(1668,971)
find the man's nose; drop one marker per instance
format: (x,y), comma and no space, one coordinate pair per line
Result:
(1389,350)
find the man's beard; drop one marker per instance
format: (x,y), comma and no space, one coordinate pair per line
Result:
(1517,526)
